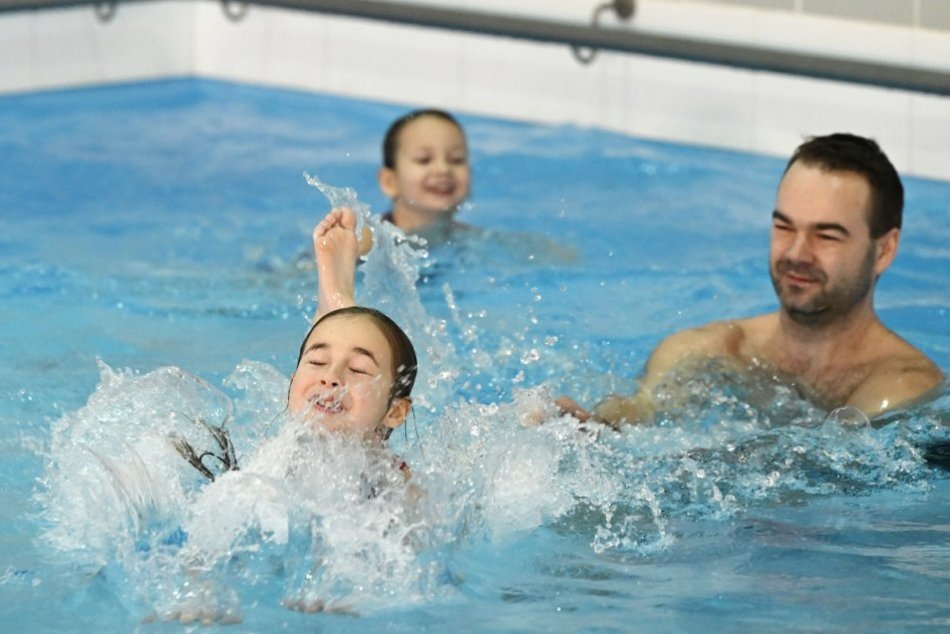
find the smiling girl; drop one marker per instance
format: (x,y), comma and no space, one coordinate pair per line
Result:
(354,374)
(356,367)
(425,173)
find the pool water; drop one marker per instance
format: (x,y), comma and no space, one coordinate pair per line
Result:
(155,268)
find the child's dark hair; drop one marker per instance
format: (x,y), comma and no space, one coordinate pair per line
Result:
(843,152)
(391,140)
(403,353)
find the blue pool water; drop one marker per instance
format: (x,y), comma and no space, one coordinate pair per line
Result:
(154,267)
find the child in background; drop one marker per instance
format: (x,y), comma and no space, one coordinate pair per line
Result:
(427,176)
(425,173)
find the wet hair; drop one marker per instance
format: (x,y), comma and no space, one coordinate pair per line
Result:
(843,152)
(391,140)
(403,353)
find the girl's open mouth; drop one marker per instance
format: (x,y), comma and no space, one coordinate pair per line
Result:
(327,405)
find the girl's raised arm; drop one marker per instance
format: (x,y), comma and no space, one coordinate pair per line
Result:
(335,248)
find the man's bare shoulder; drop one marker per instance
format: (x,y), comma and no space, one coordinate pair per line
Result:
(897,356)
(715,339)
(720,337)
(900,375)
(895,386)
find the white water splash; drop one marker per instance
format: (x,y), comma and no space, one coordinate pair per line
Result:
(320,523)
(389,273)
(337,518)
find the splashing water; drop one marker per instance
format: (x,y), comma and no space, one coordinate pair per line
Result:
(389,275)
(331,523)
(317,522)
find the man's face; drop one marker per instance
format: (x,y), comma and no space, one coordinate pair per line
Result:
(822,258)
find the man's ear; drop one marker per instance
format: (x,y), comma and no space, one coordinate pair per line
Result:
(886,247)
(398,411)
(387,182)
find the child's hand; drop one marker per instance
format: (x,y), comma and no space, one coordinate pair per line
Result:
(335,235)
(535,406)
(202,608)
(567,405)
(312,606)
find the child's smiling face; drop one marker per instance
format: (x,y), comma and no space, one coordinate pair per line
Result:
(431,174)
(344,379)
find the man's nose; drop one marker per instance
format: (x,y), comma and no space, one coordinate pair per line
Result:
(800,248)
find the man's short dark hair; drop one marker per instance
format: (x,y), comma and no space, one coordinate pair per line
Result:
(841,152)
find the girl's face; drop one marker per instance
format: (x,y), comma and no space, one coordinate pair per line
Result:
(431,175)
(344,378)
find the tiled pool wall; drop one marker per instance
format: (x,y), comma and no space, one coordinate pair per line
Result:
(645,96)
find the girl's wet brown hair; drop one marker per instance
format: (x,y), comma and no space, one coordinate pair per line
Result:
(403,353)
(391,140)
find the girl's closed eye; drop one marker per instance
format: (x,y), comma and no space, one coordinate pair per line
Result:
(317,361)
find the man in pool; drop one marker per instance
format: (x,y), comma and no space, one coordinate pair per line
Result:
(835,230)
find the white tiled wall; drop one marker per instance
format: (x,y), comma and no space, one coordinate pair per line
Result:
(68,47)
(640,95)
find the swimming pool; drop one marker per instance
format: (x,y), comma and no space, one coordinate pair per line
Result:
(167,224)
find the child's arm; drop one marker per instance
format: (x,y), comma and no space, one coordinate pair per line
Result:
(335,248)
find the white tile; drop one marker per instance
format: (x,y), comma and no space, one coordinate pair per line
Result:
(295,52)
(63,47)
(531,81)
(147,40)
(931,49)
(791,108)
(613,77)
(930,136)
(16,67)
(230,49)
(696,20)
(499,80)
(408,65)
(705,104)
(831,36)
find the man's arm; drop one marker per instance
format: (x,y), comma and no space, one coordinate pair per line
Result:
(615,410)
